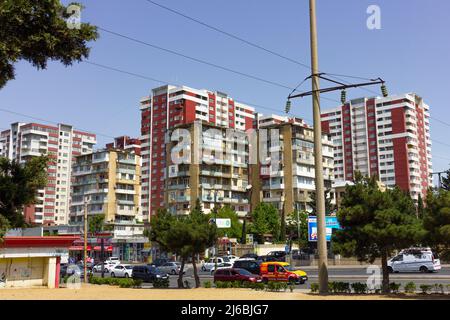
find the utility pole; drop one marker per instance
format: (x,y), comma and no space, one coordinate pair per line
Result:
(85,241)
(216,249)
(320,194)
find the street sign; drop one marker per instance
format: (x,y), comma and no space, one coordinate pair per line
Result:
(330,224)
(223,223)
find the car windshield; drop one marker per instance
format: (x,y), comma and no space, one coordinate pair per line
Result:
(128,267)
(289,268)
(225,259)
(243,272)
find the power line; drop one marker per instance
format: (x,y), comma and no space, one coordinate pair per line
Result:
(195,59)
(252,44)
(49,121)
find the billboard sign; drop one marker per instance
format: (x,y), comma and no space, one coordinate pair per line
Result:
(330,224)
(223,223)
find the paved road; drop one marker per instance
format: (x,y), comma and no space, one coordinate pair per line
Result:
(346,274)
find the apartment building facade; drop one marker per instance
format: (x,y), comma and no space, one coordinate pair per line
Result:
(107,182)
(62,143)
(388,137)
(287,180)
(167,107)
(213,170)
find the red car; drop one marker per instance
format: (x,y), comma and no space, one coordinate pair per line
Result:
(232,274)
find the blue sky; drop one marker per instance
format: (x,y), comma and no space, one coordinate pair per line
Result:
(410,52)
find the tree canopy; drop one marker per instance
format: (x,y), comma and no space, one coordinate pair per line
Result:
(265,220)
(436,221)
(235,231)
(19,184)
(37,31)
(375,223)
(294,220)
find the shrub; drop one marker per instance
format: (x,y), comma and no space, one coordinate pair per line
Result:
(395,287)
(235,284)
(223,284)
(126,283)
(439,288)
(161,283)
(425,288)
(359,288)
(137,283)
(410,287)
(207,284)
(339,287)
(258,286)
(314,287)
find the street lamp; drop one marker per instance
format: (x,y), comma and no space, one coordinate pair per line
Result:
(249,189)
(216,249)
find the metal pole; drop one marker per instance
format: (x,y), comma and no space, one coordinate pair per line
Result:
(298,230)
(320,195)
(216,249)
(85,241)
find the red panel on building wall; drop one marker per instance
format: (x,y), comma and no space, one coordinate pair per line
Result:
(401,163)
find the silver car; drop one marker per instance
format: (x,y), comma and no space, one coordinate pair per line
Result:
(171,268)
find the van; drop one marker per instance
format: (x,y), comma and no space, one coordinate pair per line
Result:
(247,264)
(415,260)
(281,271)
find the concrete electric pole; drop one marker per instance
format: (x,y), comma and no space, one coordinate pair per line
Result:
(85,241)
(320,192)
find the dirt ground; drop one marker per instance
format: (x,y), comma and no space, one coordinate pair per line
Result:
(97,292)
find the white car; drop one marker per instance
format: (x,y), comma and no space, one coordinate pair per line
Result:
(121,271)
(231,258)
(113,260)
(171,268)
(415,260)
(211,263)
(225,265)
(107,267)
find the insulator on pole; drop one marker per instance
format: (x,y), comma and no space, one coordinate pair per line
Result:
(288,106)
(343,96)
(384,91)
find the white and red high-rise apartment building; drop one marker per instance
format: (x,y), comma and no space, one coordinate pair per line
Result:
(62,143)
(169,106)
(388,137)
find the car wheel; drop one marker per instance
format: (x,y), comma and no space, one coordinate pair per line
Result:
(173,272)
(423,269)
(126,275)
(203,268)
(265,280)
(113,275)
(390,270)
(291,281)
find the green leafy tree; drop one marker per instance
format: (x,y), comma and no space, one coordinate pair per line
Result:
(265,220)
(172,235)
(19,184)
(445,184)
(37,31)
(202,236)
(375,223)
(235,231)
(436,222)
(329,207)
(295,220)
(420,207)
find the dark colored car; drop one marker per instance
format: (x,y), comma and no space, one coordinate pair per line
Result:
(250,255)
(251,266)
(148,273)
(278,255)
(262,259)
(236,274)
(159,262)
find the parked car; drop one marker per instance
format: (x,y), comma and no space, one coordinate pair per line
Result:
(277,255)
(159,262)
(415,260)
(212,262)
(121,271)
(107,267)
(171,268)
(249,255)
(236,274)
(113,260)
(148,273)
(248,264)
(231,259)
(224,265)
(262,259)
(282,271)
